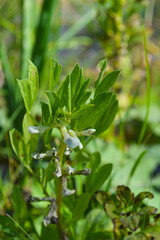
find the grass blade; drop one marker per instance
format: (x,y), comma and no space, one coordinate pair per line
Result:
(11,97)
(27,34)
(20,227)
(83,21)
(137,162)
(148,90)
(43,33)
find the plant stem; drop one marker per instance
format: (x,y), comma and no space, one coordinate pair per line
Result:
(59,192)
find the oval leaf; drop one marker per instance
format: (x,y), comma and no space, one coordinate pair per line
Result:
(18,146)
(100,177)
(81,205)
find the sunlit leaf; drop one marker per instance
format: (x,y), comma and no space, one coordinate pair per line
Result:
(107,82)
(55,72)
(53,102)
(102,65)
(18,146)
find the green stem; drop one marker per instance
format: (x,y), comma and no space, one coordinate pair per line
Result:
(59,192)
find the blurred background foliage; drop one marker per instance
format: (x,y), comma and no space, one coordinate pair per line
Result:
(85,32)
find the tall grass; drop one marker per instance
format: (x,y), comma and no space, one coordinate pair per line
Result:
(148,95)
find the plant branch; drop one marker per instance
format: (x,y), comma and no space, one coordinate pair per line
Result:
(59,192)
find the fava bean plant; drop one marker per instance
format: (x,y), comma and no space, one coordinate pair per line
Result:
(72,114)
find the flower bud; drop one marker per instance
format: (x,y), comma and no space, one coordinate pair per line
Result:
(66,192)
(58,172)
(49,153)
(68,169)
(87,132)
(37,129)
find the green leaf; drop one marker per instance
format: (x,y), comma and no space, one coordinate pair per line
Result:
(101,236)
(83,98)
(46,115)
(90,116)
(93,164)
(78,112)
(124,194)
(19,206)
(100,177)
(55,72)
(64,93)
(111,209)
(107,82)
(30,139)
(81,205)
(82,92)
(33,81)
(29,87)
(49,171)
(25,89)
(105,121)
(131,222)
(138,236)
(18,146)
(102,65)
(47,137)
(53,102)
(147,210)
(49,233)
(75,74)
(102,197)
(141,196)
(153,230)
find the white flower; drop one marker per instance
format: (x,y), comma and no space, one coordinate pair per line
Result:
(37,129)
(52,216)
(71,139)
(46,154)
(66,192)
(68,151)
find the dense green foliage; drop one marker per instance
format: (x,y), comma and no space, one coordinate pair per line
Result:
(44,113)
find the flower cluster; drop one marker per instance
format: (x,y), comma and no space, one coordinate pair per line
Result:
(70,138)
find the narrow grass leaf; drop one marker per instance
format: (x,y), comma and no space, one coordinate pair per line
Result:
(42,35)
(27,33)
(144,127)
(19,227)
(137,162)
